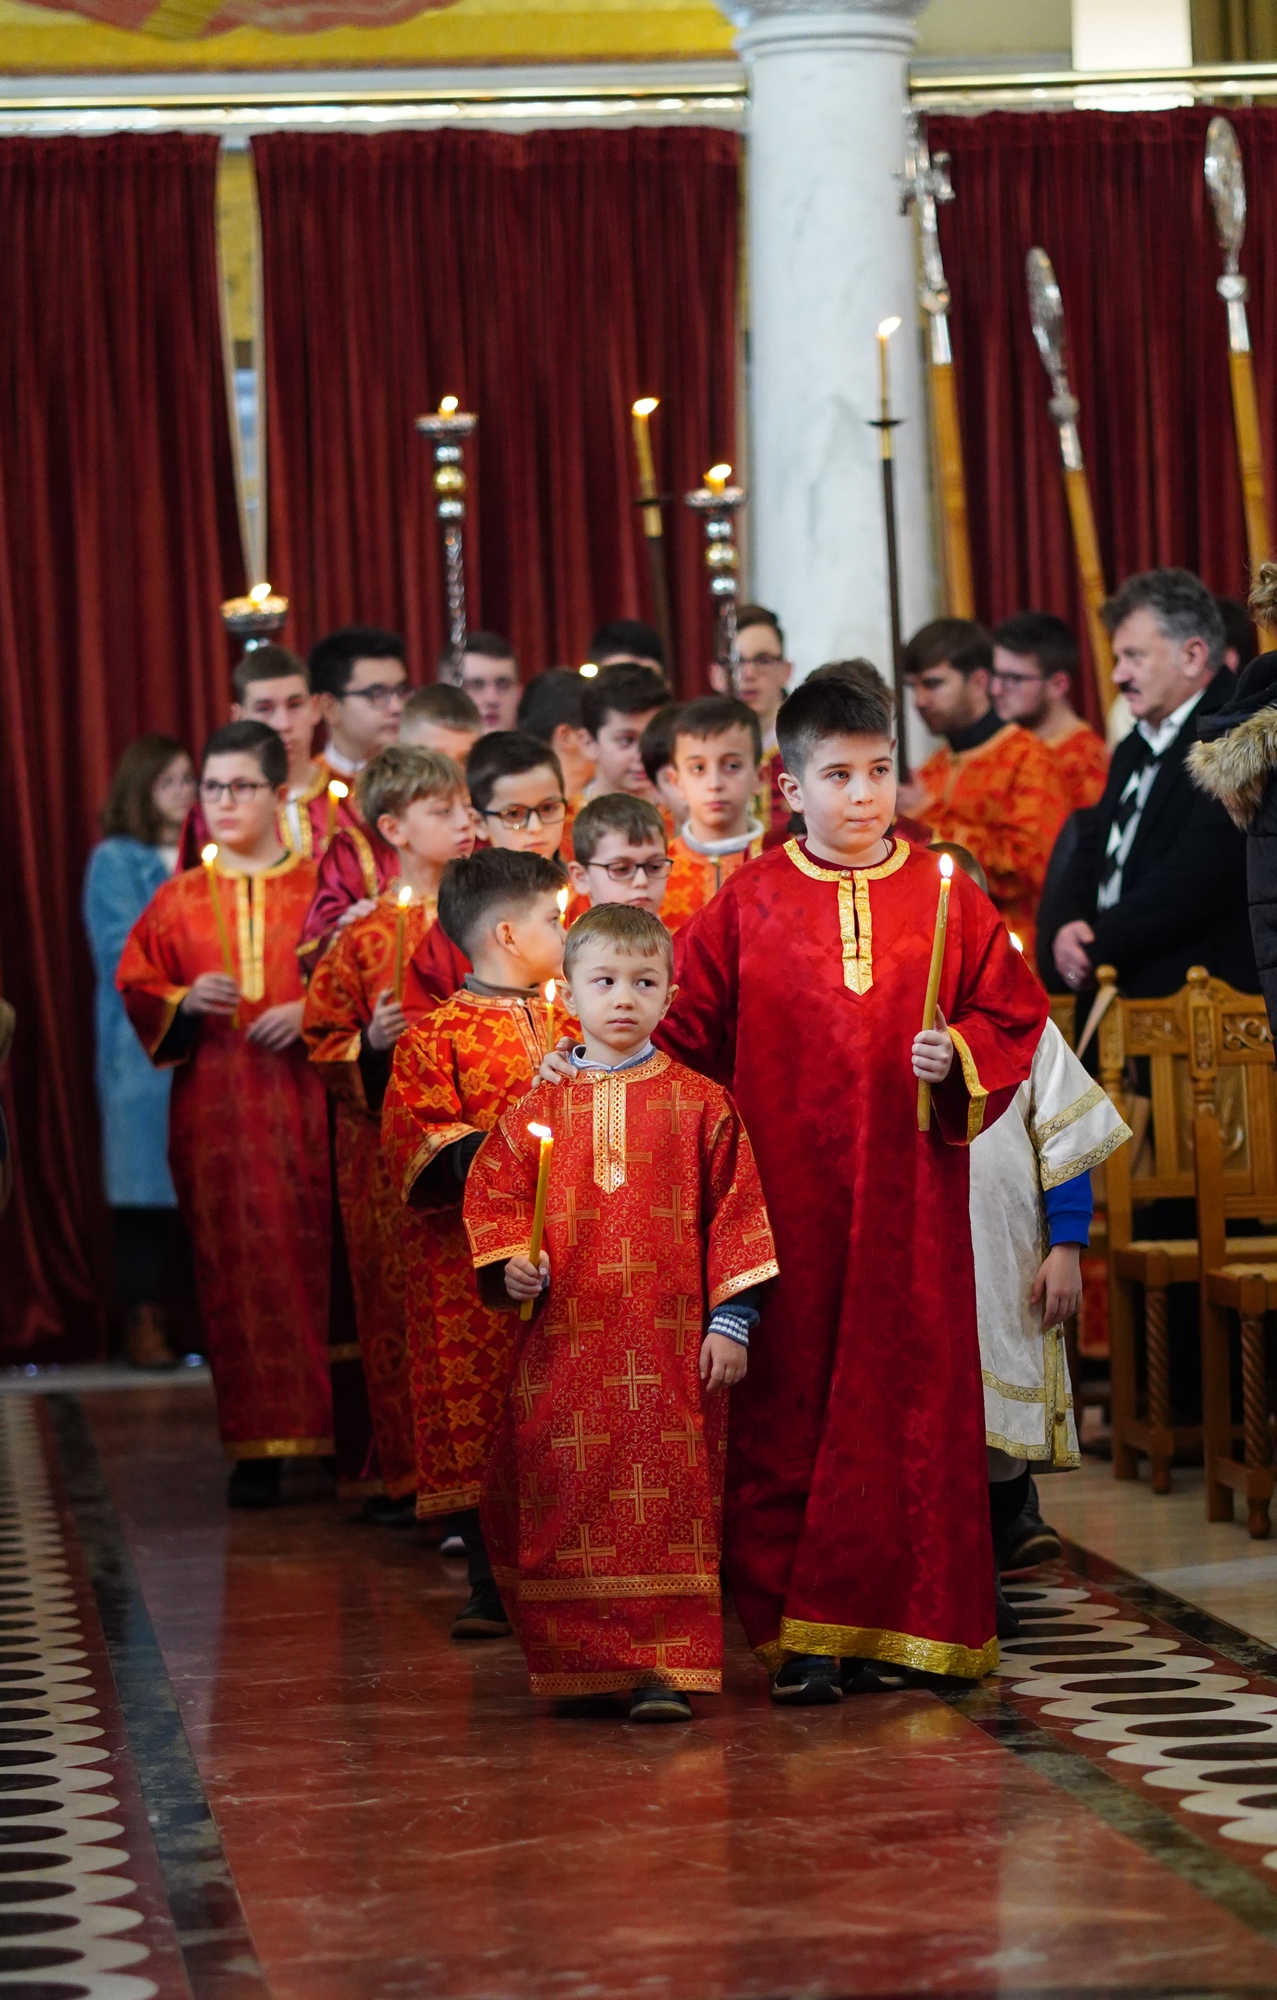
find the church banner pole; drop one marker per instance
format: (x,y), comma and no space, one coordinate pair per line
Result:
(1226,183)
(717,503)
(1046,310)
(884,423)
(653,526)
(448,428)
(925,186)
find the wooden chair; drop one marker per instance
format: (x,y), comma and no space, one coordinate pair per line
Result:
(1235,1136)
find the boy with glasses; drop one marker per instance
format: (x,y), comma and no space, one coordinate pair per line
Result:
(762,677)
(358,673)
(1035,661)
(621,855)
(516,789)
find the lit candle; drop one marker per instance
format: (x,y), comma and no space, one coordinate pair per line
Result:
(549,997)
(448,407)
(208,855)
(1016,943)
(641,413)
(259,593)
(401,922)
(933,982)
(546,1136)
(562,900)
(587,670)
(886,328)
(336,793)
(716,479)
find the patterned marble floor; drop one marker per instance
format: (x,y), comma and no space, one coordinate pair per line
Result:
(239,1755)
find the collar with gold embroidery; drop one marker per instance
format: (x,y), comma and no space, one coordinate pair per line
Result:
(855,917)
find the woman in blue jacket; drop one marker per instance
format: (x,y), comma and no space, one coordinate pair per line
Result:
(151,794)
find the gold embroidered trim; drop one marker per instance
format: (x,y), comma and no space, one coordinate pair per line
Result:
(345,1350)
(1036,1454)
(502,1256)
(556,1589)
(1055,1402)
(436,1139)
(454,1501)
(172,1001)
(903,1649)
(742,1282)
(365,858)
(977,1095)
(250,935)
(609,1130)
(855,916)
(281,1448)
(772,1655)
(688,1680)
(1095,1158)
(1061,1120)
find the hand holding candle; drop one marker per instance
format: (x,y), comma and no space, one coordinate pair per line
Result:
(933,982)
(550,990)
(546,1136)
(401,924)
(208,855)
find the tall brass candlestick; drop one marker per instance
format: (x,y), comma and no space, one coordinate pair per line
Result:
(933,982)
(546,1136)
(448,428)
(653,526)
(885,424)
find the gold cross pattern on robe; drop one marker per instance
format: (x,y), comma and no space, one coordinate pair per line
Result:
(627,1267)
(678,1326)
(659,1645)
(579,1442)
(689,1436)
(571,1214)
(557,1647)
(674,1107)
(630,1379)
(673,1214)
(527,1390)
(703,1553)
(639,1495)
(536,1502)
(576,1326)
(585,1551)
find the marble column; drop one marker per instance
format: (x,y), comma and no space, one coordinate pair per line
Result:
(829,257)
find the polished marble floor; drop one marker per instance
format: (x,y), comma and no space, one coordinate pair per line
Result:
(306,1791)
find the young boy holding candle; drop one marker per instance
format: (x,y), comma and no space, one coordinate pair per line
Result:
(453,1075)
(210,981)
(620,855)
(602,1503)
(365,992)
(718,749)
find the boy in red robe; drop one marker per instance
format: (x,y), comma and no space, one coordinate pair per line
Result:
(619,855)
(454,1074)
(718,750)
(602,1505)
(417,801)
(221,999)
(857,1525)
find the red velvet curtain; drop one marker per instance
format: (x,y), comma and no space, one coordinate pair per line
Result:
(1119,203)
(117,542)
(547,280)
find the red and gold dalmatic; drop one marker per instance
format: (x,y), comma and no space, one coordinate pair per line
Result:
(454,1074)
(248,1145)
(357,866)
(769,803)
(695,878)
(306,824)
(1004,801)
(602,1507)
(347,983)
(857,1517)
(1082,758)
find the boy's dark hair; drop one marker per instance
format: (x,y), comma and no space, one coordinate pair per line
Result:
(621,690)
(860,673)
(332,658)
(956,642)
(758,614)
(616,812)
(549,701)
(656,745)
(489,646)
(634,932)
(506,753)
(493,881)
(402,772)
(450,707)
(267,663)
(130,810)
(627,639)
(253,739)
(714,715)
(1040,636)
(833,707)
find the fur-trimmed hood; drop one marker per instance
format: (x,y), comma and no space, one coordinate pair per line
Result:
(1236,767)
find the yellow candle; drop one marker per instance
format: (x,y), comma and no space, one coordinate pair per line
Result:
(549,1003)
(717,477)
(448,407)
(208,855)
(562,900)
(886,328)
(546,1136)
(401,923)
(933,982)
(336,793)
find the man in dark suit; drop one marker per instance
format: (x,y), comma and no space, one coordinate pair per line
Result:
(1157,879)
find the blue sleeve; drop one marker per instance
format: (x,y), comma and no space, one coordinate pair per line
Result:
(114,899)
(1068,1208)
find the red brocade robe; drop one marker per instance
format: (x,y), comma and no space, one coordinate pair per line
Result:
(347,983)
(857,1518)
(357,866)
(695,878)
(248,1145)
(1082,759)
(455,1073)
(602,1505)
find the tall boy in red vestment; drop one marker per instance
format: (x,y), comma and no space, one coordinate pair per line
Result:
(248,1137)
(857,1526)
(454,1074)
(718,750)
(601,1507)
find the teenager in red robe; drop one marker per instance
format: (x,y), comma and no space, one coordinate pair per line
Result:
(602,1505)
(717,755)
(417,801)
(248,1123)
(454,1074)
(857,1505)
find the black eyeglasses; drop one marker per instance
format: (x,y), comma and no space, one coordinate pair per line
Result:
(239,789)
(762,660)
(515,818)
(380,694)
(625,871)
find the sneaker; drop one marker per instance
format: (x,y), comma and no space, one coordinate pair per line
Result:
(452,1544)
(809,1680)
(1008,1619)
(659,1705)
(254,1484)
(483,1617)
(1029,1541)
(383,1512)
(872,1676)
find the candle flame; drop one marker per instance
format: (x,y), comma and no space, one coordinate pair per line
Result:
(562,900)
(645,406)
(336,790)
(1016,942)
(405,896)
(208,855)
(550,991)
(541,1132)
(448,405)
(946,865)
(588,669)
(717,477)
(259,593)
(886,327)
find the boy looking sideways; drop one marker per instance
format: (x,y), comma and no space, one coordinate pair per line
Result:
(615,710)
(657,751)
(717,753)
(621,857)
(657,1244)
(516,789)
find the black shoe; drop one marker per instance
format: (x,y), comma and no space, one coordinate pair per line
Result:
(383,1512)
(1008,1620)
(254,1483)
(1029,1541)
(483,1617)
(452,1546)
(872,1676)
(809,1680)
(659,1705)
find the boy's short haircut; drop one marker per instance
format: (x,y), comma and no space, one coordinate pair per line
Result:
(506,753)
(492,883)
(252,739)
(636,820)
(962,858)
(860,673)
(713,715)
(446,706)
(633,932)
(656,745)
(956,642)
(630,638)
(758,614)
(332,658)
(267,663)
(621,690)
(400,773)
(833,707)
(550,701)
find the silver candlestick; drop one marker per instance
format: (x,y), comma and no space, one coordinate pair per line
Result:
(446,429)
(717,503)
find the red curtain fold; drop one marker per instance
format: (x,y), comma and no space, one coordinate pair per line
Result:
(547,280)
(118,540)
(1118,201)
